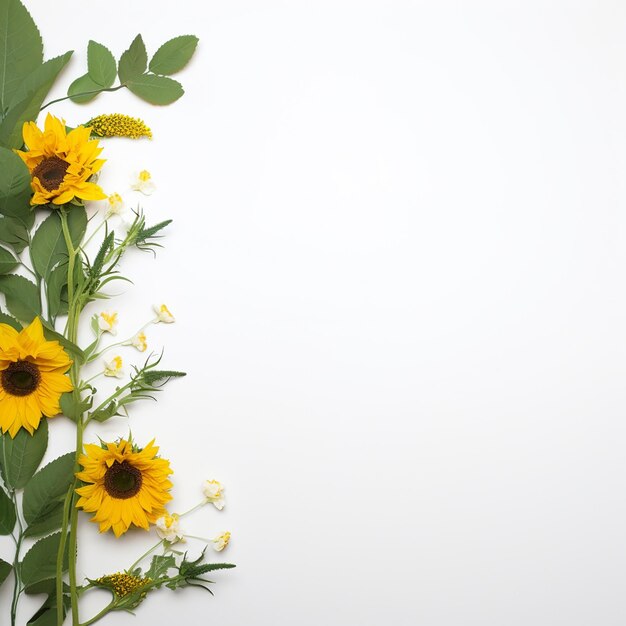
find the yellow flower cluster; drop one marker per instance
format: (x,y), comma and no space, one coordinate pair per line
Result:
(122,584)
(119,125)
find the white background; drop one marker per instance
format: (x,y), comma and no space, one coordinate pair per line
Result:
(397,267)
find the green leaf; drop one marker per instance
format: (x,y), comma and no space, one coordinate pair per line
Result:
(7,514)
(21,48)
(48,247)
(159,566)
(173,55)
(20,457)
(22,297)
(47,613)
(46,490)
(150,377)
(15,189)
(5,570)
(156,89)
(52,335)
(101,64)
(11,321)
(7,261)
(56,290)
(14,233)
(73,407)
(41,560)
(83,89)
(51,522)
(134,61)
(28,99)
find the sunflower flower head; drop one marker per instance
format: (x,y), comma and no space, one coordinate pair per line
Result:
(124,485)
(61,163)
(119,125)
(32,377)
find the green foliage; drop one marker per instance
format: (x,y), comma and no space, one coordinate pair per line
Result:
(47,613)
(40,561)
(28,99)
(48,247)
(159,566)
(134,61)
(5,570)
(14,233)
(15,190)
(156,89)
(20,457)
(7,513)
(22,297)
(11,321)
(73,406)
(44,494)
(7,261)
(83,89)
(144,382)
(71,348)
(102,68)
(173,55)
(21,48)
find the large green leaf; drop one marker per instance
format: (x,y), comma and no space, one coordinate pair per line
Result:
(173,55)
(156,89)
(20,457)
(7,261)
(15,189)
(7,513)
(21,48)
(14,233)
(48,247)
(83,89)
(28,99)
(101,64)
(41,560)
(5,570)
(46,490)
(22,297)
(133,62)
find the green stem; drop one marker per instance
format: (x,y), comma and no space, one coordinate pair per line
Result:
(77,95)
(72,332)
(61,554)
(17,589)
(100,615)
(143,556)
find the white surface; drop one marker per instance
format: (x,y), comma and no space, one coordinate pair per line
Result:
(398,266)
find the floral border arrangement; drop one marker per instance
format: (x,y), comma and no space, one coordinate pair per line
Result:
(48,177)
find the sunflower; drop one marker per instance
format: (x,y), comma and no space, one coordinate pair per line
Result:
(61,163)
(126,485)
(31,377)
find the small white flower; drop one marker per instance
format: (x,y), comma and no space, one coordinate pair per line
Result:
(115,205)
(214,493)
(163,314)
(114,367)
(221,541)
(139,341)
(144,183)
(168,528)
(107,322)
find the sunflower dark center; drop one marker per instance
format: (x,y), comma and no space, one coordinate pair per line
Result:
(122,480)
(51,172)
(21,378)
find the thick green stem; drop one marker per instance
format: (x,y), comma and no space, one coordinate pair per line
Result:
(61,553)
(17,589)
(71,333)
